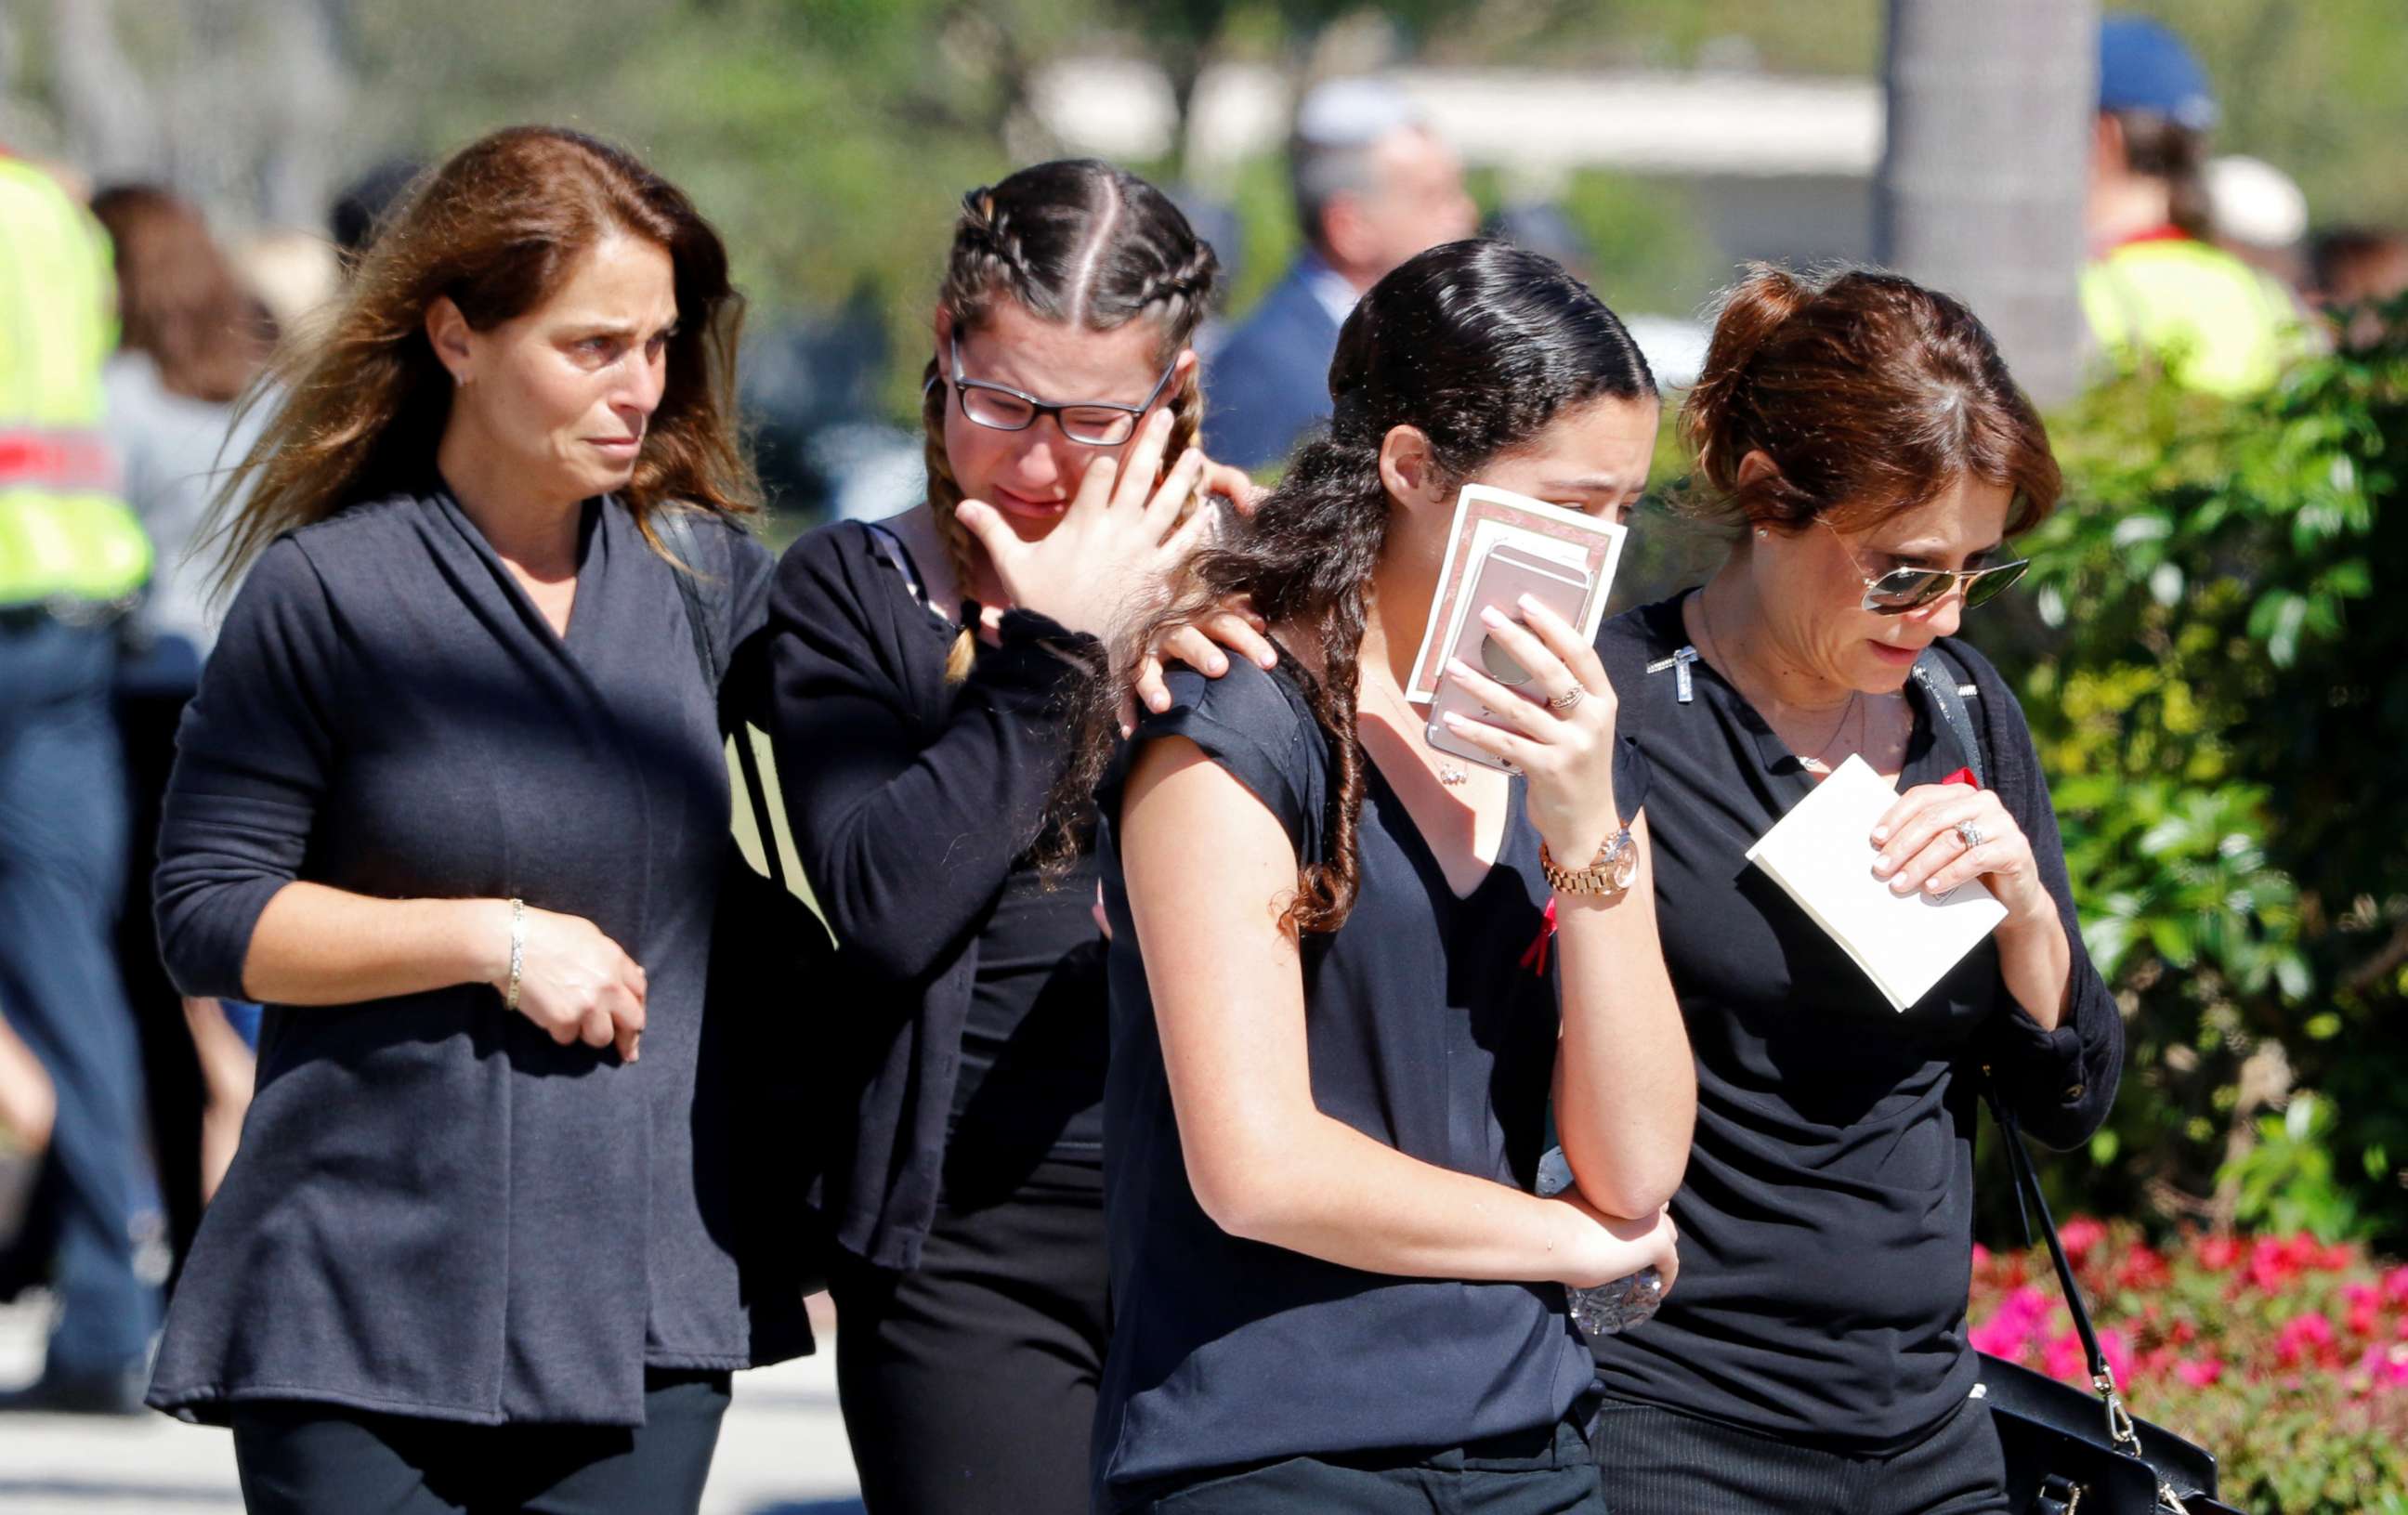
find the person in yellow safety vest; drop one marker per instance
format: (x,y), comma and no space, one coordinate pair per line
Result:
(67,540)
(2157,290)
(72,557)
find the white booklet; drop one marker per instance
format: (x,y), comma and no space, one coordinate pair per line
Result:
(1822,853)
(1485,516)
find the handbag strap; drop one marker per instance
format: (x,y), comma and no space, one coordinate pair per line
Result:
(676,525)
(1945,683)
(2028,1194)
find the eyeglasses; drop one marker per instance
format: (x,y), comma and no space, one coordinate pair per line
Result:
(1087,423)
(1901,589)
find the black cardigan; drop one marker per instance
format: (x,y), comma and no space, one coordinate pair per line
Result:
(909,800)
(436,1211)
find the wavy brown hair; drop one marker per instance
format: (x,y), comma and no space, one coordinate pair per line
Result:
(178,299)
(1869,392)
(1075,240)
(361,405)
(1477,345)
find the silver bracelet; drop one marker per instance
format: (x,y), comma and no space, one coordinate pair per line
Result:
(518,954)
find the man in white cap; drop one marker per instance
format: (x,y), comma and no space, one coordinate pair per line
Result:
(1373,188)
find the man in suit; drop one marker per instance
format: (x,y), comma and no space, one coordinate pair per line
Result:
(1373,188)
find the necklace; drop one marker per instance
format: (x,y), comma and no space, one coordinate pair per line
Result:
(1819,762)
(1450,773)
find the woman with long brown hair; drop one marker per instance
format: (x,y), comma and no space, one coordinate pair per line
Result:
(1864,446)
(451,804)
(921,668)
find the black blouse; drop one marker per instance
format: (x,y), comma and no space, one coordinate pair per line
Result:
(436,1210)
(1431,1026)
(914,801)
(1826,1214)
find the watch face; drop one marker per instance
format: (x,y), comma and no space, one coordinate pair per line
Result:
(1623,866)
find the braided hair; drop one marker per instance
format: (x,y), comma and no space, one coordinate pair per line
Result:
(1479,345)
(1078,241)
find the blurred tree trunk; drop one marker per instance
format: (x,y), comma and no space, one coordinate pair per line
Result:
(1984,175)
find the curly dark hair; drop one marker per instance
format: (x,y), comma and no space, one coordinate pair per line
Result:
(1479,346)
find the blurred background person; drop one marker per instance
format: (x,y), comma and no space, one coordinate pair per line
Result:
(72,557)
(359,210)
(292,273)
(1373,186)
(189,341)
(2157,290)
(2353,268)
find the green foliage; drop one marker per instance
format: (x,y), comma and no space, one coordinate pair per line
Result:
(2221,706)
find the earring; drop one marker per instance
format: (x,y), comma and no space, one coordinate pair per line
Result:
(1762,532)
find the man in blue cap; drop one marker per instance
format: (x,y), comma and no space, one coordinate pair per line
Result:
(2158,290)
(1373,186)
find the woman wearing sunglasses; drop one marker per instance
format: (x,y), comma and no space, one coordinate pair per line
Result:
(921,666)
(1864,442)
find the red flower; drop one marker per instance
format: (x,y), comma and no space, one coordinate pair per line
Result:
(2061,1358)
(2080,1234)
(2363,1300)
(2144,1270)
(2307,1337)
(2219,1252)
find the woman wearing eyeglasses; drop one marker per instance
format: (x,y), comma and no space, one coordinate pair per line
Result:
(921,668)
(1871,456)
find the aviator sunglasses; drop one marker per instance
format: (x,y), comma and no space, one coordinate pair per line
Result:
(1901,589)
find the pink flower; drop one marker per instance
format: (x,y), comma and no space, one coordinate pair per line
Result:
(2395,1285)
(2062,1359)
(2305,1336)
(2199,1372)
(2007,1333)
(2216,1253)
(2080,1234)
(2386,1368)
(1981,1255)
(2118,1348)
(2363,1300)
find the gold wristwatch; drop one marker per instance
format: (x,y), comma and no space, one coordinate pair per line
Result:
(1609,873)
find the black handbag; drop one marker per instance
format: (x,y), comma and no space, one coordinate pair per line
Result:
(2074,1453)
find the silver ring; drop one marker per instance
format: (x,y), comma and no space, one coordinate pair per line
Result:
(1566,702)
(1970,834)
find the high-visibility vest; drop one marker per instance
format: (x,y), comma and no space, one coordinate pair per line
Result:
(2214,322)
(67,538)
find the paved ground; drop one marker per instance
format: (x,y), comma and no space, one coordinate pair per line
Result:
(782,1451)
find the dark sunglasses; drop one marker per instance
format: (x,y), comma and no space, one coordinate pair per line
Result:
(1087,423)
(1901,589)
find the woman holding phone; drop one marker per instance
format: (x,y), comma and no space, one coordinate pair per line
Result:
(1333,1046)
(1869,452)
(921,668)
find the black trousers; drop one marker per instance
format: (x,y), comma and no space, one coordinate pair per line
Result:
(1542,1472)
(969,1384)
(307,1459)
(1659,1462)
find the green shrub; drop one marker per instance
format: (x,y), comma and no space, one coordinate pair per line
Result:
(2220,686)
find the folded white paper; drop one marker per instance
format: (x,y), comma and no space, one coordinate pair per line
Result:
(1822,853)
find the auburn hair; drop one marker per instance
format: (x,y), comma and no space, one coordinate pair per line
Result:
(1870,395)
(178,299)
(361,403)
